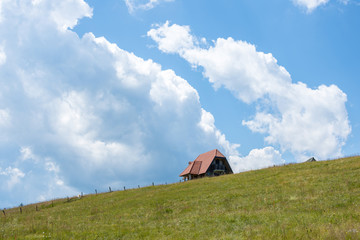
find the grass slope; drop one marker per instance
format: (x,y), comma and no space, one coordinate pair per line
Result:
(317,200)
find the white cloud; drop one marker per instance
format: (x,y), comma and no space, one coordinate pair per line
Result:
(174,39)
(236,65)
(27,154)
(134,5)
(309,121)
(63,14)
(172,93)
(310,5)
(257,158)
(207,124)
(12,177)
(67,17)
(299,119)
(85,114)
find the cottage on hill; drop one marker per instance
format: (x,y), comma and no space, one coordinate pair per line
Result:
(312,159)
(212,163)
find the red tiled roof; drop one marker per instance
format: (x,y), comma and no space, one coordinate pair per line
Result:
(187,169)
(201,164)
(196,168)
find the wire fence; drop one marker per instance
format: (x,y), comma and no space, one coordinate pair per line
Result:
(50,204)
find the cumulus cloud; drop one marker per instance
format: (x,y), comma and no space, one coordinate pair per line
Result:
(13,176)
(310,5)
(79,113)
(26,154)
(225,62)
(134,5)
(207,124)
(299,119)
(308,121)
(172,39)
(256,159)
(65,16)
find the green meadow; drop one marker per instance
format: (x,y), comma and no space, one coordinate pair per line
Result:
(315,200)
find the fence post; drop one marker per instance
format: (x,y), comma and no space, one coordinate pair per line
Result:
(153,183)
(37,208)
(4,212)
(138,186)
(95,192)
(20,210)
(124,188)
(110,189)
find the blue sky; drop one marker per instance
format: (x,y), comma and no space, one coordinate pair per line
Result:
(127,92)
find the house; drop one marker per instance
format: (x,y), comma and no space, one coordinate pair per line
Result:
(212,163)
(312,159)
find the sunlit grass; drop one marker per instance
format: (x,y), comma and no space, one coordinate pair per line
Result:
(317,200)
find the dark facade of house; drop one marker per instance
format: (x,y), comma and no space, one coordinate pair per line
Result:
(212,163)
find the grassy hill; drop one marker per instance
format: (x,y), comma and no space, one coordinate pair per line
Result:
(316,200)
